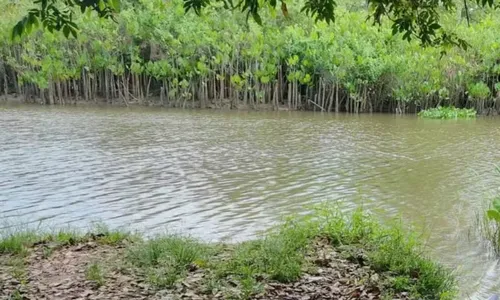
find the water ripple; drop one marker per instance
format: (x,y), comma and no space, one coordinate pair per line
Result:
(227,175)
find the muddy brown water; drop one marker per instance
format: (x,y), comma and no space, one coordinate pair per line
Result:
(226,175)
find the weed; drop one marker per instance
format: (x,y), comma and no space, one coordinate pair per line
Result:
(16,295)
(47,252)
(17,269)
(95,274)
(167,258)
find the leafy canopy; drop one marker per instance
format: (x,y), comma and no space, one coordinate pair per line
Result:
(413,18)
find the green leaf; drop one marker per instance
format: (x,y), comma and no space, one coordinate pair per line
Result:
(17,30)
(115,4)
(496,204)
(66,31)
(101,5)
(434,26)
(257,18)
(493,215)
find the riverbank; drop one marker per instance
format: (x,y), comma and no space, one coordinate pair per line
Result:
(234,104)
(224,104)
(327,255)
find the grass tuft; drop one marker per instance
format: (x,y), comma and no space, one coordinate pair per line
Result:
(95,273)
(17,243)
(111,237)
(167,258)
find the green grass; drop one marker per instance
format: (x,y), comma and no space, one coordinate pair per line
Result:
(390,249)
(165,259)
(18,242)
(241,270)
(277,256)
(95,273)
(111,237)
(17,269)
(450,112)
(280,255)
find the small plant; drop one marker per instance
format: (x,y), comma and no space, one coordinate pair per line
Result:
(47,252)
(95,274)
(16,295)
(490,228)
(18,269)
(450,112)
(494,213)
(162,277)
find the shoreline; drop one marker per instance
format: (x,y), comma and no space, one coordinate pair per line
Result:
(228,105)
(328,256)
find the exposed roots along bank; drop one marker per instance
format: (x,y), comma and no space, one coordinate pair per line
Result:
(329,257)
(157,54)
(219,90)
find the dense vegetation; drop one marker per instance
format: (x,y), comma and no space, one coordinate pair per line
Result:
(155,54)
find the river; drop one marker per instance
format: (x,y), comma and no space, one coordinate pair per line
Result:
(227,175)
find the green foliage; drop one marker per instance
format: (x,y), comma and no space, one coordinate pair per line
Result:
(479,91)
(56,15)
(420,19)
(448,113)
(204,58)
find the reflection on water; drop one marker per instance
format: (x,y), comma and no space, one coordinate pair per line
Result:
(229,174)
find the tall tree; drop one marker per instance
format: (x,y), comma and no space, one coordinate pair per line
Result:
(418,19)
